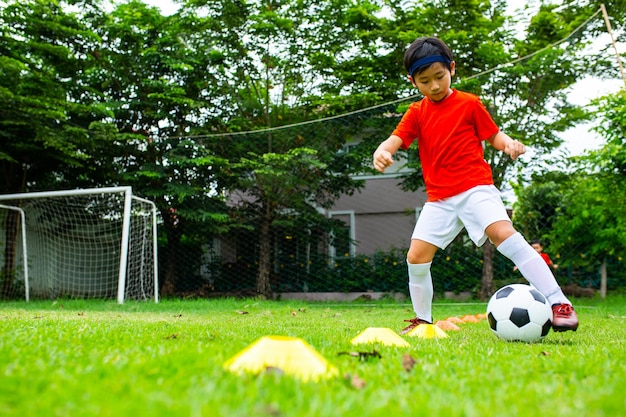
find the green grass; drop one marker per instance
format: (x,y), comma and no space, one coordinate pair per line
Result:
(97,358)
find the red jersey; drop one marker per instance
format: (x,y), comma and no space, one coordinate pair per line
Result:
(450,135)
(546,258)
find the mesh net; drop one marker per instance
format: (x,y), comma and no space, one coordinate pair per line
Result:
(365,252)
(74,245)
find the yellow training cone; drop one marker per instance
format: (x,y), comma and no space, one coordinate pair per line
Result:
(427,331)
(381,335)
(291,355)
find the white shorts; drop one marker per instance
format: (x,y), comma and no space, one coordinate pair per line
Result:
(441,221)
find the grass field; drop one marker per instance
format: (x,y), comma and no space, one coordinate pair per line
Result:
(98,358)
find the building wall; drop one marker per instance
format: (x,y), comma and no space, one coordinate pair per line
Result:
(384,215)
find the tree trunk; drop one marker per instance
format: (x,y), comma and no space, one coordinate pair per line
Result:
(263,287)
(173,230)
(486,287)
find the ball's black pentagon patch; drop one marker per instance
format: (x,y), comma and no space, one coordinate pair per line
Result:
(538,296)
(493,323)
(520,317)
(504,292)
(545,329)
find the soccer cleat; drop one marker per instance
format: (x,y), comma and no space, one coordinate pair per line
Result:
(564,318)
(414,323)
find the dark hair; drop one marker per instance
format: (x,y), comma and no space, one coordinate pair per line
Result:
(423,47)
(536,241)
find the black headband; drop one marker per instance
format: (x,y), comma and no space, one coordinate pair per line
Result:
(428,60)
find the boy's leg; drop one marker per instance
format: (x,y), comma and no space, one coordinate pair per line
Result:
(421,290)
(437,225)
(537,272)
(482,212)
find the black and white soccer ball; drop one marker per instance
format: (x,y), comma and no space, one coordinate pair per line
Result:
(519,312)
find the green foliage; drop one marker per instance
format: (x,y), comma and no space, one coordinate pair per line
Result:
(580,215)
(595,197)
(127,96)
(40,109)
(537,207)
(579,222)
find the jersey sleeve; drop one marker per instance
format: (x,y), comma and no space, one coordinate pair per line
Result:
(484,124)
(408,128)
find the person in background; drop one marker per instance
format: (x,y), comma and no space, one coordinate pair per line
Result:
(538,246)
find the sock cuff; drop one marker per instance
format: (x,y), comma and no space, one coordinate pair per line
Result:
(512,244)
(532,258)
(419,273)
(517,249)
(418,269)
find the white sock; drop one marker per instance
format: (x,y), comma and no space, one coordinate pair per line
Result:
(421,290)
(533,268)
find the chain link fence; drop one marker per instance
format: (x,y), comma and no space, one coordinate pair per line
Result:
(359,244)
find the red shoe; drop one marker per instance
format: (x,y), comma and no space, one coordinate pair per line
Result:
(414,323)
(564,318)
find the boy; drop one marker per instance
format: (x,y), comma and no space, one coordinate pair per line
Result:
(449,126)
(538,247)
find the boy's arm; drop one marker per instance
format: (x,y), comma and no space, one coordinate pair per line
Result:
(503,142)
(385,151)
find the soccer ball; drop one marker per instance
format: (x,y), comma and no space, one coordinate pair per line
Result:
(519,312)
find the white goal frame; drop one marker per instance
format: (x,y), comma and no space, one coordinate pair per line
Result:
(125,236)
(24,246)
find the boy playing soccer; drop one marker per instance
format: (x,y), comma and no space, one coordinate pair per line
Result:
(450,127)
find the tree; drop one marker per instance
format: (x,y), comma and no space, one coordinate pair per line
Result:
(151,73)
(537,205)
(269,72)
(42,48)
(40,114)
(593,216)
(579,211)
(159,103)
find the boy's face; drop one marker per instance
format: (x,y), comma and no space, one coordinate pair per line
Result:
(434,83)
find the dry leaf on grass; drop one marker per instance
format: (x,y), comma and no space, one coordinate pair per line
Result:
(355,381)
(408,362)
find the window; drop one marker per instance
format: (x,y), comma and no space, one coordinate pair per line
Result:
(342,239)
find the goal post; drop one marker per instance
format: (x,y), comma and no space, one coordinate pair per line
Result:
(10,254)
(84,243)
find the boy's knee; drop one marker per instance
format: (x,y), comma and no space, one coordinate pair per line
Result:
(418,257)
(500,231)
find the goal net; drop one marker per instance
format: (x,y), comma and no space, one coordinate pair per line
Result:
(88,243)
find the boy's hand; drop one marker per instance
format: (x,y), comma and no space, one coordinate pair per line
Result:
(382,159)
(514,148)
